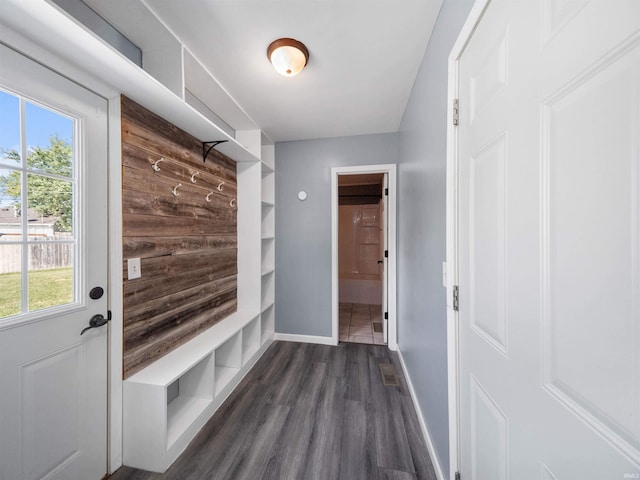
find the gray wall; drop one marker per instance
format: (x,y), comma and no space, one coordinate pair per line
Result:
(421,234)
(303,229)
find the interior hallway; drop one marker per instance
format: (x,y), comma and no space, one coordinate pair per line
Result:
(361,323)
(308,412)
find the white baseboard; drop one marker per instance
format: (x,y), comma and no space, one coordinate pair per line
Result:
(289,337)
(423,424)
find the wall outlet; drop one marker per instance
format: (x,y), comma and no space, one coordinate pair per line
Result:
(133,267)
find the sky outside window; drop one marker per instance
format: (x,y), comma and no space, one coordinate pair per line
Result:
(42,124)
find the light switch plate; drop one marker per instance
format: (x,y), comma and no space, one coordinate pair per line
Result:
(133,268)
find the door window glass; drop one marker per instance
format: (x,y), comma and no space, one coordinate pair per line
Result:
(37,210)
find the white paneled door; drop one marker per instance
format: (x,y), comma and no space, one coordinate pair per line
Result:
(549,242)
(53,257)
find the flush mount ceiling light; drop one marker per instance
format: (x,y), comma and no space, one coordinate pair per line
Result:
(288,56)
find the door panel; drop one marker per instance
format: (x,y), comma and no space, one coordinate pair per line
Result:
(53,406)
(591,245)
(487,246)
(549,241)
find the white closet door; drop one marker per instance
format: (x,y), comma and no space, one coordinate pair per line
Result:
(549,242)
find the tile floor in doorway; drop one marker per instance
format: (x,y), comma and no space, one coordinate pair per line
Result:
(357,323)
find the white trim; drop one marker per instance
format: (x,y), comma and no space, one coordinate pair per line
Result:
(452,234)
(114,448)
(290,337)
(423,424)
(389,169)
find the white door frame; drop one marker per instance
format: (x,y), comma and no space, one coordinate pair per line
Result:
(452,233)
(390,170)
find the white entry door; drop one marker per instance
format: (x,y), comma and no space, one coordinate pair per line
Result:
(53,256)
(549,242)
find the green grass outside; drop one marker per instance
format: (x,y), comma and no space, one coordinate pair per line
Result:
(47,288)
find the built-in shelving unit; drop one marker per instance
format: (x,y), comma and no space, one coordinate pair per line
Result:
(268,261)
(206,369)
(167,403)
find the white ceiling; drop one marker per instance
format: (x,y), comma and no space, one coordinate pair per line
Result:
(364,57)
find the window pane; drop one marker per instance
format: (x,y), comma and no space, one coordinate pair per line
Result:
(49,139)
(10,208)
(50,207)
(10,279)
(50,274)
(9,129)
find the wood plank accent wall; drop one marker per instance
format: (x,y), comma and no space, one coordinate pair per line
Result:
(186,245)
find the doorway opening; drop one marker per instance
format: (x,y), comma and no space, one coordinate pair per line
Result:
(363,254)
(361,246)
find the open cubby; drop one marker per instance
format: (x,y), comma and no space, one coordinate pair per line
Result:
(268,255)
(228,361)
(268,217)
(268,158)
(268,324)
(195,393)
(250,339)
(268,194)
(268,291)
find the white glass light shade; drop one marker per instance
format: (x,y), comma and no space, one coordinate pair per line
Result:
(288,56)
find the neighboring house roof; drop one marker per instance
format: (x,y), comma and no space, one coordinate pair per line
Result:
(9,217)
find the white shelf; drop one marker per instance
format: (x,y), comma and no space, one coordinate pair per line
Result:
(268,270)
(203,85)
(266,169)
(65,36)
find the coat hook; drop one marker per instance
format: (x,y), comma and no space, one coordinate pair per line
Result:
(220,186)
(232,203)
(208,197)
(193,177)
(155,165)
(175,189)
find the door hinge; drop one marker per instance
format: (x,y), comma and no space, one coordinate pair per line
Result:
(457,476)
(386,315)
(456,111)
(386,254)
(386,192)
(456,298)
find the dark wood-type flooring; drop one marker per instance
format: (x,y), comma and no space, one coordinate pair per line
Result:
(309,412)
